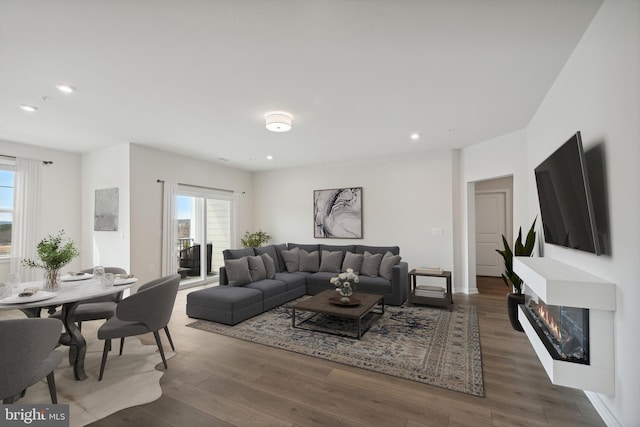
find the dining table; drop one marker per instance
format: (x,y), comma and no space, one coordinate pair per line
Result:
(69,294)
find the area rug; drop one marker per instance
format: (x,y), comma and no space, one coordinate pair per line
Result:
(423,344)
(129,380)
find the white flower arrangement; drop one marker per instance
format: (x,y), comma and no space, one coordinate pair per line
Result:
(345,281)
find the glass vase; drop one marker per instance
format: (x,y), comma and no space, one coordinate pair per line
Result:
(51,279)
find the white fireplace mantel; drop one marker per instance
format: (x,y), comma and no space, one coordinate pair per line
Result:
(557,283)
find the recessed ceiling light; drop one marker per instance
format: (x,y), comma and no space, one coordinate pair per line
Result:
(29,108)
(66,88)
(269,157)
(415,136)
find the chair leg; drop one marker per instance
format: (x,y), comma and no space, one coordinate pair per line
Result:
(105,352)
(51,381)
(157,335)
(166,330)
(80,326)
(121,345)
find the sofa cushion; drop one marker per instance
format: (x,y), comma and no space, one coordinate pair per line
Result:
(274,253)
(352,261)
(309,261)
(269,265)
(257,270)
(237,253)
(370,264)
(331,261)
(321,279)
(291,259)
(238,271)
(387,263)
(292,280)
(224,297)
(395,250)
(375,285)
(269,287)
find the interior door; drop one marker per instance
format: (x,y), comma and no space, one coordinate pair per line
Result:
(491,224)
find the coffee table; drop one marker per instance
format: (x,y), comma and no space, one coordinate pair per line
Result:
(320,304)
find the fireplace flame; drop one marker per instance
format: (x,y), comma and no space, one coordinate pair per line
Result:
(549,321)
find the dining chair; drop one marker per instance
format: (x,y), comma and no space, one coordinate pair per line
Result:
(145,311)
(166,328)
(96,308)
(27,355)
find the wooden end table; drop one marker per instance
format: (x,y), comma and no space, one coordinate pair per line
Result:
(446,301)
(320,304)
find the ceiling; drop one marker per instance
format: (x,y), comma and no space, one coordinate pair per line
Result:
(196,77)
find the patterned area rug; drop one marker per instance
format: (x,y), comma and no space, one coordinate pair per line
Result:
(423,344)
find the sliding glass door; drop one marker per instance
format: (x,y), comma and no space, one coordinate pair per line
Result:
(204,226)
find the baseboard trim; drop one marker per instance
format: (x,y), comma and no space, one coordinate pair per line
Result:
(603,410)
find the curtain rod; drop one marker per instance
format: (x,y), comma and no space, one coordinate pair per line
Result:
(201,186)
(44,162)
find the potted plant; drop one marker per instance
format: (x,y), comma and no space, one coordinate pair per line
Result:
(55,252)
(510,278)
(254,240)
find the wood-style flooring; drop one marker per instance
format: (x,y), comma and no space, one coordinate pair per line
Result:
(219,381)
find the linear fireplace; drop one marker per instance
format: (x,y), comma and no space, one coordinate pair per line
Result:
(564,331)
(568,318)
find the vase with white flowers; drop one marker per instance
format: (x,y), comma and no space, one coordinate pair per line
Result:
(345,284)
(55,252)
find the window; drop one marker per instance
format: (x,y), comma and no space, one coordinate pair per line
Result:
(7,175)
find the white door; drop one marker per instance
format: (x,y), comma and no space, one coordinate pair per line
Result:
(491,224)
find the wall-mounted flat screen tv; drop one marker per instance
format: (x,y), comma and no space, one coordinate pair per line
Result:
(566,207)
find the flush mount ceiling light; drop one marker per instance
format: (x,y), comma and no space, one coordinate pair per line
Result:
(278,121)
(66,88)
(415,136)
(29,108)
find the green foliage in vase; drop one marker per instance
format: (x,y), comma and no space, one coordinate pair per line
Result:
(254,240)
(520,249)
(54,252)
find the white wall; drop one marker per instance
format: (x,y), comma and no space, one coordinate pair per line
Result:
(146,167)
(498,157)
(404,197)
(598,93)
(107,168)
(60,193)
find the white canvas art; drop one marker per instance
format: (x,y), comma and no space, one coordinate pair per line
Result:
(106,210)
(337,213)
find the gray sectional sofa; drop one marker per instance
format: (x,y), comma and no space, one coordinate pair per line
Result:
(255,280)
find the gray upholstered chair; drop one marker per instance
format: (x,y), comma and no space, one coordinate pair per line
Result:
(27,354)
(145,311)
(96,308)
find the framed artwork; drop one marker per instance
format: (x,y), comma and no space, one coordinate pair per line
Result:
(106,210)
(337,213)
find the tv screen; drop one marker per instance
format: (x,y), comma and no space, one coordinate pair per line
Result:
(566,208)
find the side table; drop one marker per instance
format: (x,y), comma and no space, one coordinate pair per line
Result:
(447,301)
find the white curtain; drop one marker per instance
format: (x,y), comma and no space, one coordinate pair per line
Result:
(169,230)
(26,216)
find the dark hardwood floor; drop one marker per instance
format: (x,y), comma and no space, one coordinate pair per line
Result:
(219,381)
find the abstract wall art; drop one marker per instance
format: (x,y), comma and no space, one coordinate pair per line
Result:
(106,210)
(337,213)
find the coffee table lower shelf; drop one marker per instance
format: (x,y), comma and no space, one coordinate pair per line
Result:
(320,305)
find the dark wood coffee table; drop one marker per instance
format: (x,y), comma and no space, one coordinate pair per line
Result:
(320,304)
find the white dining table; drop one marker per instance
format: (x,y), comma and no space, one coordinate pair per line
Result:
(68,295)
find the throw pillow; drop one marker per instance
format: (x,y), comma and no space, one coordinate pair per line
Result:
(269,265)
(291,259)
(387,263)
(352,261)
(309,262)
(257,269)
(370,264)
(237,271)
(331,261)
